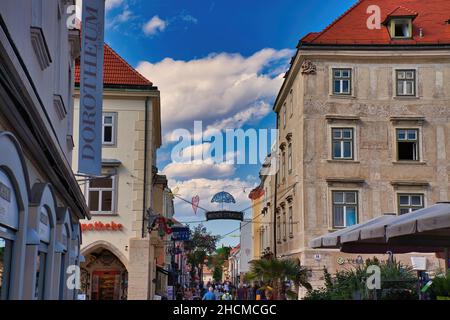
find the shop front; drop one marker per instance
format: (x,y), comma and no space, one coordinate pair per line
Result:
(34,251)
(103,275)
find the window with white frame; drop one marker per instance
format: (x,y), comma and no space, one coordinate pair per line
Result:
(291,223)
(410,202)
(101,195)
(345,208)
(406,82)
(342,143)
(109,129)
(401,28)
(407,144)
(342,81)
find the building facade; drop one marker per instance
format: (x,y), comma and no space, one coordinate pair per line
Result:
(120,253)
(40,201)
(364,126)
(262,231)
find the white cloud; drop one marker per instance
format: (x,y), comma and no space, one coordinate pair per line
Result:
(197,169)
(111,4)
(219,88)
(154,25)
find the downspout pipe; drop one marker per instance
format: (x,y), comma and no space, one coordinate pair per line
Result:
(144,204)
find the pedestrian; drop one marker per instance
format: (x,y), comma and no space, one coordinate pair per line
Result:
(251,293)
(260,293)
(241,293)
(209,295)
(268,293)
(227,296)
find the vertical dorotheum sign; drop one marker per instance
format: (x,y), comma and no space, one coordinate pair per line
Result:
(91,87)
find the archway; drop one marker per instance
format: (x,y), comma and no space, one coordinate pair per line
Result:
(103,274)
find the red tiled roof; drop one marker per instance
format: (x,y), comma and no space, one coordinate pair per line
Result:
(402,11)
(117,71)
(351,28)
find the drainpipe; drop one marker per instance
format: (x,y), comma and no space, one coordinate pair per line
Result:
(144,204)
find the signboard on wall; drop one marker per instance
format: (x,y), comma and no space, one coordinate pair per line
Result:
(91,87)
(181,234)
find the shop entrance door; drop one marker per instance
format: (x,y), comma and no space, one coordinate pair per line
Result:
(106,285)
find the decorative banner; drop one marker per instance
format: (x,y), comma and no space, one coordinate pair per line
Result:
(91,87)
(195,202)
(225,215)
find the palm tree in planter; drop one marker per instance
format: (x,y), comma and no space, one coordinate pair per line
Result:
(275,273)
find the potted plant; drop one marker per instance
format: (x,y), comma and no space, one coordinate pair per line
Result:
(441,286)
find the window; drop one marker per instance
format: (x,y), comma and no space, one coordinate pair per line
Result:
(345,208)
(407,145)
(278,229)
(41,260)
(290,158)
(284,115)
(5,266)
(409,202)
(109,127)
(401,28)
(342,81)
(291,223)
(291,102)
(283,166)
(101,195)
(284,226)
(406,82)
(261,238)
(342,143)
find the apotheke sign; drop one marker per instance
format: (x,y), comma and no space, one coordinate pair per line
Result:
(100,226)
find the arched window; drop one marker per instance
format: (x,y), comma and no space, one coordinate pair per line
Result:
(9,223)
(42,254)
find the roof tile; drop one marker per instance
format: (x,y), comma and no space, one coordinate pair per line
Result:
(351,28)
(117,71)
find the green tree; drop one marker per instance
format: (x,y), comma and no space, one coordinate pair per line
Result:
(275,273)
(217,260)
(202,244)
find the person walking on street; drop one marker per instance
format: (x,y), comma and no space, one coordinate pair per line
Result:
(209,295)
(227,296)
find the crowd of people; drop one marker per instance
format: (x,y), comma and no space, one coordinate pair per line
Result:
(226,291)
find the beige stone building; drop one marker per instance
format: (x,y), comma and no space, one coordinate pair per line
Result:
(263,209)
(364,126)
(119,253)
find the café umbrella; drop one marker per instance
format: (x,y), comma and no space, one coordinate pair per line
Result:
(424,230)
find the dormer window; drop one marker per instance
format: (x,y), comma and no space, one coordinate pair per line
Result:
(401,28)
(400,23)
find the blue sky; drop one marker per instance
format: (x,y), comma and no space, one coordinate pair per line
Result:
(221,62)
